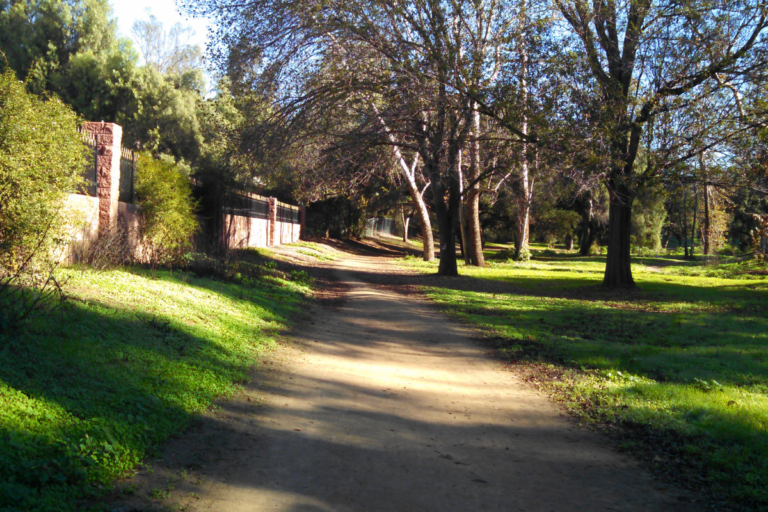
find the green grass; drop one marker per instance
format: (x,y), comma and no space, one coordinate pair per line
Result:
(317,251)
(88,392)
(684,358)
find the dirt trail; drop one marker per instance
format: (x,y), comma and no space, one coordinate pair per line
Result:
(382,404)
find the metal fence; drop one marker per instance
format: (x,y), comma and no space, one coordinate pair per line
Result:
(379,226)
(288,214)
(246,205)
(127,193)
(91,141)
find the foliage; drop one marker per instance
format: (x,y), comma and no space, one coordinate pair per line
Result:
(87,394)
(167,209)
(41,158)
(682,359)
(554,225)
(39,37)
(648,217)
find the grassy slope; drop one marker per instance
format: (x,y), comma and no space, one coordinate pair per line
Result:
(687,355)
(88,392)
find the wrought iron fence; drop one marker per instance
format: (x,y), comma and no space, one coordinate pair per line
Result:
(246,205)
(287,213)
(127,193)
(91,141)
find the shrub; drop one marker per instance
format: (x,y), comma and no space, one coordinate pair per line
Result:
(41,159)
(167,210)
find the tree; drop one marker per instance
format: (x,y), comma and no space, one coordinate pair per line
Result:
(167,51)
(41,160)
(429,51)
(166,208)
(647,60)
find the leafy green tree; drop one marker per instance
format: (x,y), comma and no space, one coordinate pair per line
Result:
(648,217)
(167,209)
(41,159)
(39,37)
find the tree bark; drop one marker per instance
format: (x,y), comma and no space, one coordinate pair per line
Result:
(447,221)
(618,270)
(589,228)
(406,220)
(475,244)
(524,197)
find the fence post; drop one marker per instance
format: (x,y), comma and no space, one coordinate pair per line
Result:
(272,226)
(108,136)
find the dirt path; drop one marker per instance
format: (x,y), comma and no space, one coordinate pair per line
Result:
(381,404)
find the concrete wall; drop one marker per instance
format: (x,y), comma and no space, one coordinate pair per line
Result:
(246,231)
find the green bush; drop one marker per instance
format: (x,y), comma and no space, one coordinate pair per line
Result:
(167,210)
(41,159)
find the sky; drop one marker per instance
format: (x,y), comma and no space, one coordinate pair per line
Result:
(128,11)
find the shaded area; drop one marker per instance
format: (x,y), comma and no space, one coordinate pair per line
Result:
(383,405)
(87,393)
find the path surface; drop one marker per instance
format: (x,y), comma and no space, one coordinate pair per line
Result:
(385,406)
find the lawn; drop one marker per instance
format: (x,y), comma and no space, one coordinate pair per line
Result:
(680,364)
(90,391)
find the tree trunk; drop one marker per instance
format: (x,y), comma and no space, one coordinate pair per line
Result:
(406,220)
(447,215)
(589,229)
(475,244)
(569,242)
(693,221)
(524,197)
(426,224)
(618,271)
(707,227)
(464,236)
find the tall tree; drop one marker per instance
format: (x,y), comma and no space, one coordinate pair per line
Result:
(169,51)
(650,58)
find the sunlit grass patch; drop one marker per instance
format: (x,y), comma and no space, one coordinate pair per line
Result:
(684,356)
(87,393)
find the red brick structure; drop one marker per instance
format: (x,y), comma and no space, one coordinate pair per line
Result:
(108,137)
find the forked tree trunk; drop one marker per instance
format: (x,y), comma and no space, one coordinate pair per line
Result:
(447,215)
(618,271)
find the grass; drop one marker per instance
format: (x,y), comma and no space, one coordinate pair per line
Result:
(681,364)
(317,251)
(90,391)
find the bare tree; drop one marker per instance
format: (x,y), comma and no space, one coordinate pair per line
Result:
(168,51)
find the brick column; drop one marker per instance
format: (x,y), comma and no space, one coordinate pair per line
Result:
(272,227)
(107,171)
(303,222)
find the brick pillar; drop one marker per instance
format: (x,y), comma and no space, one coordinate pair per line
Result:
(272,227)
(303,222)
(107,171)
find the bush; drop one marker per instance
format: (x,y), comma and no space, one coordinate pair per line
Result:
(167,210)
(41,159)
